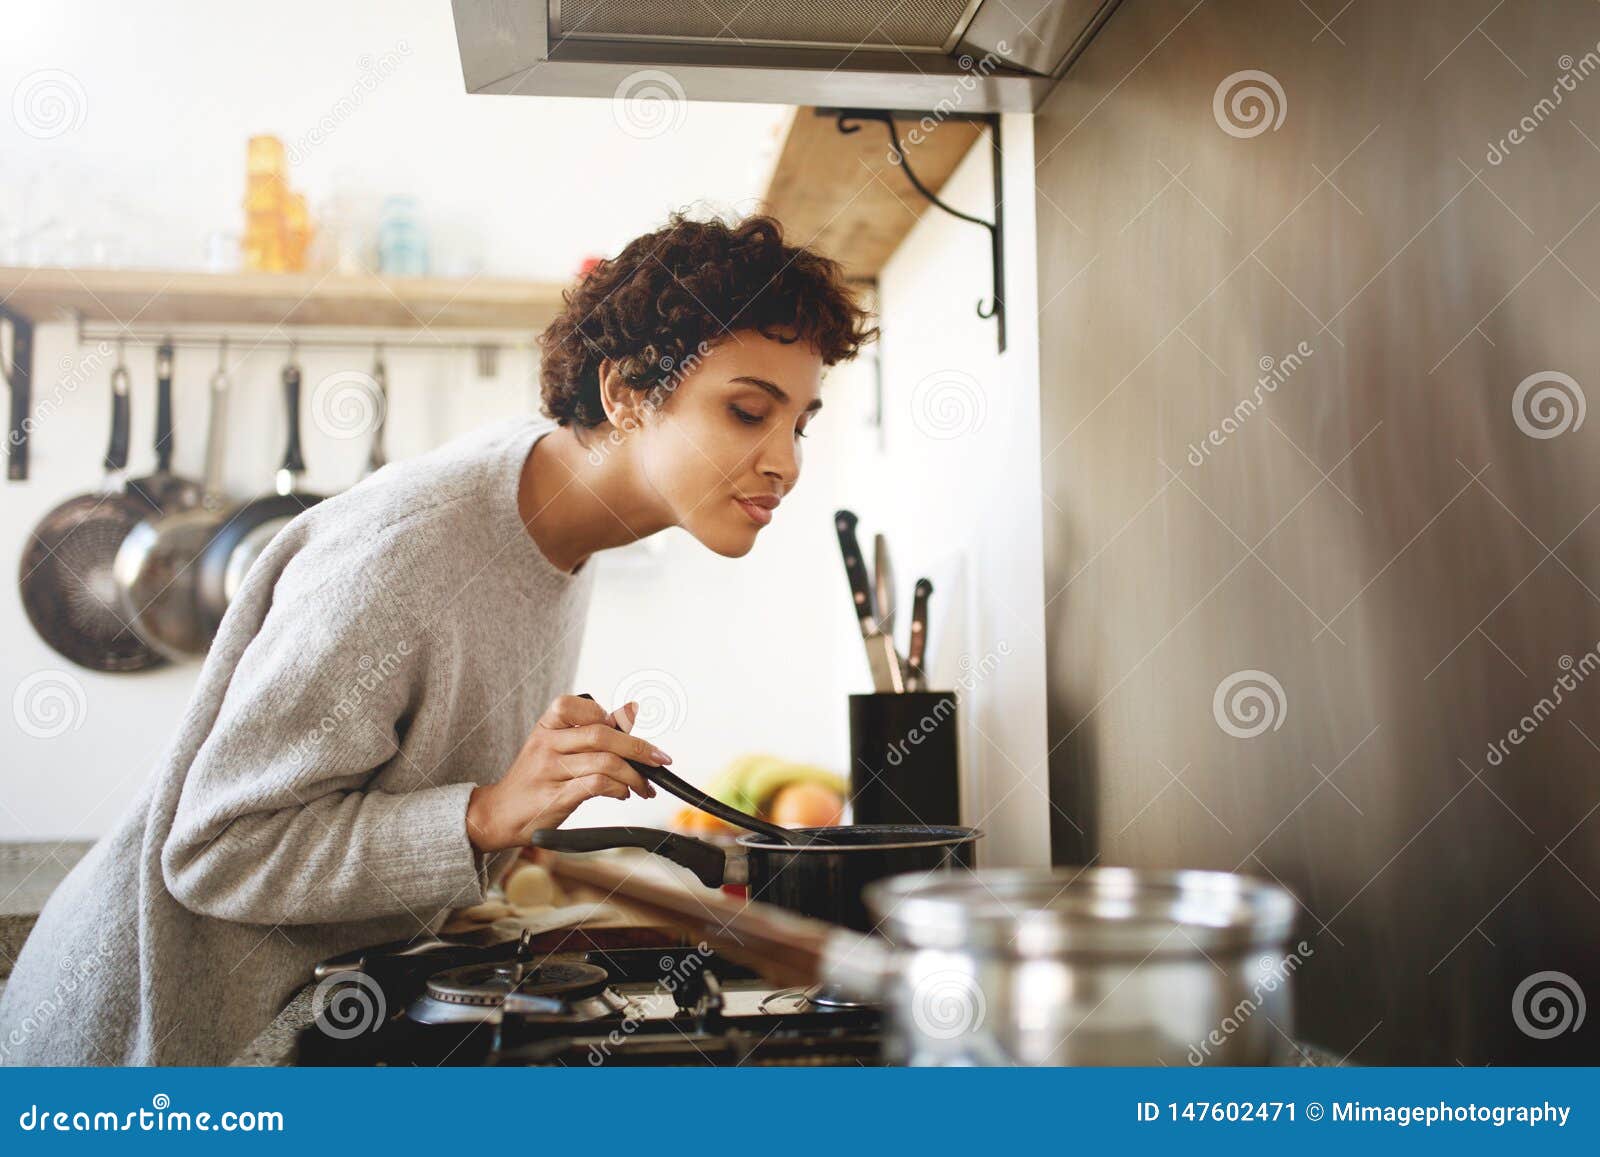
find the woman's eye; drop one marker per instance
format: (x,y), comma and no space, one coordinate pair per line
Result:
(745,416)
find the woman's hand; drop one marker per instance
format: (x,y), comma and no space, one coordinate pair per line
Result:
(574,753)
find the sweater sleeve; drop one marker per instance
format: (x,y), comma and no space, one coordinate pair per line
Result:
(275,824)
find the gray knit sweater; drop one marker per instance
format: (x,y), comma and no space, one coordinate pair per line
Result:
(392,648)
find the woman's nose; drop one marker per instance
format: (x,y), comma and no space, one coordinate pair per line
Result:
(780,461)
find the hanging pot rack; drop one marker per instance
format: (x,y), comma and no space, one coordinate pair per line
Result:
(251,311)
(246,337)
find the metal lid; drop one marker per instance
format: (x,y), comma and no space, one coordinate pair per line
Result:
(1092,912)
(867,837)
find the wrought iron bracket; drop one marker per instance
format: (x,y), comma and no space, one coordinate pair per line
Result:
(848,121)
(16,364)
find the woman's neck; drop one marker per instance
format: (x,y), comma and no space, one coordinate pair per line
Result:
(576,499)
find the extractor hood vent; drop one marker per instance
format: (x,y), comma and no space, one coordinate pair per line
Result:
(913,26)
(978,55)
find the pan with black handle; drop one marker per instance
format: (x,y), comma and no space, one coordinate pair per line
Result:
(65,579)
(236,545)
(165,492)
(158,565)
(815,871)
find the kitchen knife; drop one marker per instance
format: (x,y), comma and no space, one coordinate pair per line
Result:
(883,584)
(881,656)
(883,581)
(918,649)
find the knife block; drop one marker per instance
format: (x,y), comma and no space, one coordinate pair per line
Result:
(904,766)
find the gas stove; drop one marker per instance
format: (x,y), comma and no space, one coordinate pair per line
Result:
(476,1001)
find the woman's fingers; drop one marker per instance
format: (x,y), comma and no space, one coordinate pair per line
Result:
(623,717)
(587,763)
(599,737)
(572,711)
(590,786)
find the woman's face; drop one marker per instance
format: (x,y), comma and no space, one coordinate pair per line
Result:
(720,445)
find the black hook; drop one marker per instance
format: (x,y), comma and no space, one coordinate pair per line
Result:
(848,121)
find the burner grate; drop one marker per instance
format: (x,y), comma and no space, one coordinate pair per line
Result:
(488,985)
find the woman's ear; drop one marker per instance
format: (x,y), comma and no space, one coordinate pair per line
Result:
(623,404)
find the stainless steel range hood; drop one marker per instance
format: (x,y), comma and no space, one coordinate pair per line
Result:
(979,55)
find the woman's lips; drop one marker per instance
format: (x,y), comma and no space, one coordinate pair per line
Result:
(759,510)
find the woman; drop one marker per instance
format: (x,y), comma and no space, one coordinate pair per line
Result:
(385,713)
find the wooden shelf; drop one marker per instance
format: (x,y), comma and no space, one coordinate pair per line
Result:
(154,298)
(838,192)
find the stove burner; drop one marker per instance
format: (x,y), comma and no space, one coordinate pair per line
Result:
(829,997)
(786,1000)
(512,1004)
(813,999)
(487,985)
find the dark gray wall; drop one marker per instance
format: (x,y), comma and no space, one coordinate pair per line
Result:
(1382,534)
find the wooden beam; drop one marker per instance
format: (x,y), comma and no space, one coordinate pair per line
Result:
(149,298)
(839,192)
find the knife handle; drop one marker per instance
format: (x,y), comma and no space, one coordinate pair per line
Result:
(855,569)
(919,633)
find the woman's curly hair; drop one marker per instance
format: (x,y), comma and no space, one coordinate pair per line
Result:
(650,308)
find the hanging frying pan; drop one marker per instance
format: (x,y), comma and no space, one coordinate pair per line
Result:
(237,544)
(164,491)
(65,579)
(157,567)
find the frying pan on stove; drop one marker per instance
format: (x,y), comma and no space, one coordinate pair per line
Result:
(66,578)
(817,872)
(821,875)
(239,541)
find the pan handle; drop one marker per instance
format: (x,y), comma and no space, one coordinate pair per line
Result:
(706,861)
(709,804)
(117,451)
(294,463)
(164,407)
(216,433)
